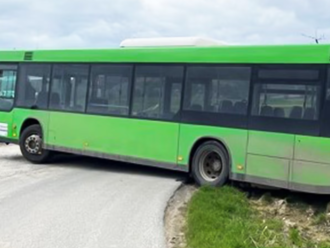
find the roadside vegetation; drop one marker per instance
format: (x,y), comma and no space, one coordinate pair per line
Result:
(229,218)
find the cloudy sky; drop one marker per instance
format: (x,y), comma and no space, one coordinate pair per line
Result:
(39,24)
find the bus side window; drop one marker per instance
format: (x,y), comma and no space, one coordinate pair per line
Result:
(155,94)
(217,89)
(197,93)
(232,91)
(289,93)
(328,86)
(33,86)
(110,89)
(176,89)
(69,88)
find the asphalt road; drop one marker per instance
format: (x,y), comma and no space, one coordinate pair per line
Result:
(82,202)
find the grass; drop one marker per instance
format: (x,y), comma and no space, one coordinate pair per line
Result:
(224,218)
(295,237)
(320,219)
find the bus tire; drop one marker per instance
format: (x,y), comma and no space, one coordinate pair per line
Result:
(210,164)
(31,145)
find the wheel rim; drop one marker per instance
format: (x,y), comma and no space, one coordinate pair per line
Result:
(33,144)
(210,166)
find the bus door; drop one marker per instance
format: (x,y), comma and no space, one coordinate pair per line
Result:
(284,116)
(8,74)
(311,156)
(325,115)
(270,144)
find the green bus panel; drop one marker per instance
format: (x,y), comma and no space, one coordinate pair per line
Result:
(268,167)
(269,155)
(141,139)
(11,56)
(234,139)
(309,173)
(315,149)
(312,161)
(271,144)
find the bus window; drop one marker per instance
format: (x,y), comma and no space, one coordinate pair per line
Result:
(151,94)
(196,88)
(110,89)
(286,101)
(69,88)
(231,90)
(7,86)
(328,86)
(175,97)
(33,85)
(218,89)
(197,99)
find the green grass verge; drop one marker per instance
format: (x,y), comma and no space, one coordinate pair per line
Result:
(223,218)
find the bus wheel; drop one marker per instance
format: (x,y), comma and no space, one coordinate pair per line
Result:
(210,164)
(31,145)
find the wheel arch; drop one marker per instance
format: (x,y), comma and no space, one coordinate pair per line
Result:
(29,122)
(204,139)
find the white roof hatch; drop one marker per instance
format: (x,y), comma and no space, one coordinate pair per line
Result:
(171,41)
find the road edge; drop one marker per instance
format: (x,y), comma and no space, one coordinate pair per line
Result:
(175,216)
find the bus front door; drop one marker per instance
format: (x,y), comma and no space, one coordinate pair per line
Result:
(7,94)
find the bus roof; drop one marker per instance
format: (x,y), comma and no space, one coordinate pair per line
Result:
(301,54)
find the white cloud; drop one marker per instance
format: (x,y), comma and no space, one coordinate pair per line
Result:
(100,23)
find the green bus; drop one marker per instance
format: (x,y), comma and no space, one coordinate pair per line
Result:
(256,114)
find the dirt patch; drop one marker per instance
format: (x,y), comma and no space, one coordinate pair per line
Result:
(175,216)
(310,219)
